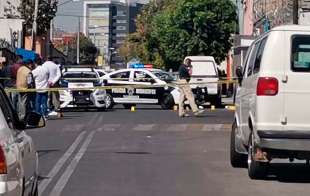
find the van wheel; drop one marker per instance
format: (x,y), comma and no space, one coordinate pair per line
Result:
(167,102)
(237,160)
(256,169)
(108,100)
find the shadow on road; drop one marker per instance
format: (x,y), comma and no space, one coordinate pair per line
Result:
(289,173)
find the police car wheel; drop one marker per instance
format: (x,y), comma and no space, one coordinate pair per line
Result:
(108,101)
(167,102)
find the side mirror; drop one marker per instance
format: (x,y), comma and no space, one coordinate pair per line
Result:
(34,120)
(239,74)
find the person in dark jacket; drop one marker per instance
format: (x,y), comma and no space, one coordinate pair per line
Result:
(185,72)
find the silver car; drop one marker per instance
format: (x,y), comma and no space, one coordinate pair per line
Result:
(18,157)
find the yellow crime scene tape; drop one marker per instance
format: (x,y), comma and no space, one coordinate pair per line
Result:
(174,85)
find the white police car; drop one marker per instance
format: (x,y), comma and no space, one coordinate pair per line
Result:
(81,78)
(144,87)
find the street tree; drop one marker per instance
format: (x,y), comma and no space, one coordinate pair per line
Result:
(46,12)
(169,30)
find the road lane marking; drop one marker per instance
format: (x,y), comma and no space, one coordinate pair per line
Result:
(144,127)
(177,127)
(63,180)
(43,185)
(111,127)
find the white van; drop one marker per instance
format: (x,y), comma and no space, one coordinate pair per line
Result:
(205,72)
(272,118)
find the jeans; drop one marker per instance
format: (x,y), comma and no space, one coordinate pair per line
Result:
(41,103)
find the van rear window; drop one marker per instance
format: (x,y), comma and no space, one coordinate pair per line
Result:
(206,68)
(301,53)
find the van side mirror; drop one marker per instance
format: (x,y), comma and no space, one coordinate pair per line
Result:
(239,74)
(34,120)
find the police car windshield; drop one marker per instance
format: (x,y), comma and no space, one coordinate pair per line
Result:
(163,75)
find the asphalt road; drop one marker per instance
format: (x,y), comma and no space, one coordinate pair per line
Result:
(151,152)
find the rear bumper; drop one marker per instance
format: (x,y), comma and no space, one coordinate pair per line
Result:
(285,140)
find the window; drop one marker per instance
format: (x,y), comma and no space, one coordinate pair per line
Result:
(8,113)
(300,57)
(259,56)
(121,21)
(123,76)
(251,60)
(121,35)
(141,76)
(120,28)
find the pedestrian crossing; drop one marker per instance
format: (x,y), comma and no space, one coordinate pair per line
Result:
(164,127)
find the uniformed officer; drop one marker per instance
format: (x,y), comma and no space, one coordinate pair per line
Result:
(185,71)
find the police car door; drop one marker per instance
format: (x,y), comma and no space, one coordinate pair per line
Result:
(121,94)
(145,87)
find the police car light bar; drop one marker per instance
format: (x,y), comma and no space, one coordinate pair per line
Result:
(147,66)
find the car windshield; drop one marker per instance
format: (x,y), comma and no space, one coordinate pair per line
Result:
(163,75)
(206,67)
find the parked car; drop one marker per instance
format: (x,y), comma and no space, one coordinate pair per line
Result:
(272,119)
(18,157)
(81,78)
(156,93)
(204,71)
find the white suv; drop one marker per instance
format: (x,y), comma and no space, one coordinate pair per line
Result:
(272,118)
(18,157)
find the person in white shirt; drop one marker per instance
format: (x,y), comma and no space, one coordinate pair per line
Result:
(41,76)
(54,76)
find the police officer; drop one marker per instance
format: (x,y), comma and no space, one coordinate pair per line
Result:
(185,71)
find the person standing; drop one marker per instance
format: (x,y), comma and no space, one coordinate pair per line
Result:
(185,71)
(23,81)
(53,81)
(41,76)
(12,73)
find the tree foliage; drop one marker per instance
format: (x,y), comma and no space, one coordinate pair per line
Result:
(169,30)
(46,12)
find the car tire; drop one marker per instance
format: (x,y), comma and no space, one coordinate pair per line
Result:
(167,102)
(128,106)
(256,169)
(109,103)
(237,159)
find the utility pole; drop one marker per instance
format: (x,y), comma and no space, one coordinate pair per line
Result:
(295,11)
(34,25)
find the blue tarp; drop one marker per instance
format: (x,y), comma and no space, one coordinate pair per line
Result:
(26,54)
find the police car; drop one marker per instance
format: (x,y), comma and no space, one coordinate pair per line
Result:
(81,78)
(142,86)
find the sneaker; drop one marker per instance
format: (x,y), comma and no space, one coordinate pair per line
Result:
(184,115)
(53,113)
(200,111)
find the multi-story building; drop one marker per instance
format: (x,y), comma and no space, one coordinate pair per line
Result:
(108,23)
(271,13)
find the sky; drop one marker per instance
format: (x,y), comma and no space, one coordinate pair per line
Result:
(69,23)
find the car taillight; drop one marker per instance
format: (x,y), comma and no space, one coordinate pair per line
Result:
(3,166)
(267,86)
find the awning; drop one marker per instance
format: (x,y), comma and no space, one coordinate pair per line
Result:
(26,54)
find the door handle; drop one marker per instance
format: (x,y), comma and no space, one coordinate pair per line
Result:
(199,79)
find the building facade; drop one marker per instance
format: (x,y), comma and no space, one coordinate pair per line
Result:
(107,23)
